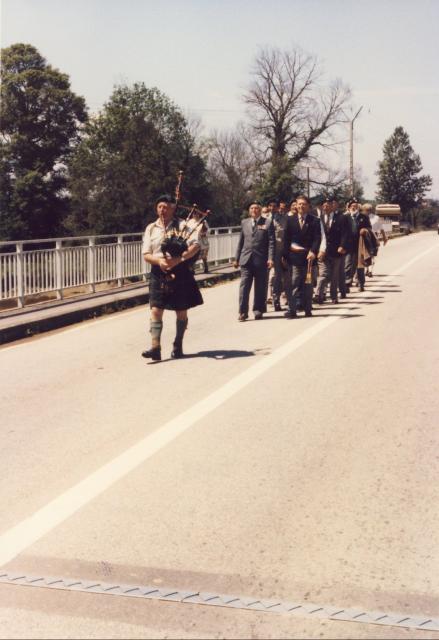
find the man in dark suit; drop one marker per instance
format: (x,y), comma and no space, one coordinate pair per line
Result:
(255,255)
(302,241)
(358,221)
(337,231)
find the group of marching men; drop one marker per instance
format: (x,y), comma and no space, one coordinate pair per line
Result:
(292,252)
(300,254)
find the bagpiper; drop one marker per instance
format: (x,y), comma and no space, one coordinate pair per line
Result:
(169,247)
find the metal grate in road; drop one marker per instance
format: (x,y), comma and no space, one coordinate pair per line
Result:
(236,602)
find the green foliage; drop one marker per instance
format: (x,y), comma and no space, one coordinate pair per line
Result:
(398,179)
(342,192)
(39,125)
(280,182)
(426,216)
(130,154)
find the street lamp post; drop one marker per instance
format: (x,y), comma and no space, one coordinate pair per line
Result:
(351,151)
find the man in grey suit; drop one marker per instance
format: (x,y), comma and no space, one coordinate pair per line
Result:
(255,255)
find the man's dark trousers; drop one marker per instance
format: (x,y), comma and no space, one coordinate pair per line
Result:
(300,289)
(329,275)
(351,266)
(259,275)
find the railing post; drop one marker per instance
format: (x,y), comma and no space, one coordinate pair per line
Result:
(119,261)
(20,274)
(216,247)
(91,265)
(231,256)
(59,275)
(144,264)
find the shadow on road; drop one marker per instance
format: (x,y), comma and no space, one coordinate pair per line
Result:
(374,290)
(218,354)
(343,316)
(222,354)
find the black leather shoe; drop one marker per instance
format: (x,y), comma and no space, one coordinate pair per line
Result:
(154,354)
(242,317)
(290,315)
(258,315)
(277,306)
(177,353)
(308,314)
(361,287)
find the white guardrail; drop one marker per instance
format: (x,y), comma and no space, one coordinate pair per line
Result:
(32,267)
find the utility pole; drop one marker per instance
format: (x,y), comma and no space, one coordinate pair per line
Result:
(351,159)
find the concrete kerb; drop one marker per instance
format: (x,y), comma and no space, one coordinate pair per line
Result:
(39,319)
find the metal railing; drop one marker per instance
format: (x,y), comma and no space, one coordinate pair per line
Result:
(32,267)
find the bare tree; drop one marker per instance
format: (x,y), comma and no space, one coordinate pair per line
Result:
(289,107)
(232,166)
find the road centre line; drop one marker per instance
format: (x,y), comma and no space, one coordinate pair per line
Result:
(28,531)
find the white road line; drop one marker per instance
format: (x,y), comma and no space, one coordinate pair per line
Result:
(27,532)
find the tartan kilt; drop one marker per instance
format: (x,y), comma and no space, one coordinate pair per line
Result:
(177,294)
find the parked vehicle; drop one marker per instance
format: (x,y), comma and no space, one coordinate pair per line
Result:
(405,228)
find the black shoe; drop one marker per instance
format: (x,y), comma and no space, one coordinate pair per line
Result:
(334,300)
(290,315)
(308,314)
(258,315)
(155,353)
(277,306)
(177,353)
(343,295)
(242,317)
(361,287)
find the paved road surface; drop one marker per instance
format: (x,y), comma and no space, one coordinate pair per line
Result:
(291,460)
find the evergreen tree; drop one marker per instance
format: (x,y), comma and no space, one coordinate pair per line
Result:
(131,153)
(280,181)
(40,118)
(398,179)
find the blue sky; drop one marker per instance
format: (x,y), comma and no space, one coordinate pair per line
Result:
(199,52)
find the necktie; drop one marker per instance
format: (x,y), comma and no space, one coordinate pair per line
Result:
(354,223)
(301,221)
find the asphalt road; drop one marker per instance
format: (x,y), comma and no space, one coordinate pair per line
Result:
(292,460)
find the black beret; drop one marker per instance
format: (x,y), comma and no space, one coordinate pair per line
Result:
(165,198)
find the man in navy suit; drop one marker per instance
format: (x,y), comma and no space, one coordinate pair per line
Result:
(338,238)
(255,255)
(302,239)
(358,222)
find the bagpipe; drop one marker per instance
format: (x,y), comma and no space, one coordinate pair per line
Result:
(175,240)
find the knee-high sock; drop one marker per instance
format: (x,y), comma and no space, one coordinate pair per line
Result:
(181,326)
(156,327)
